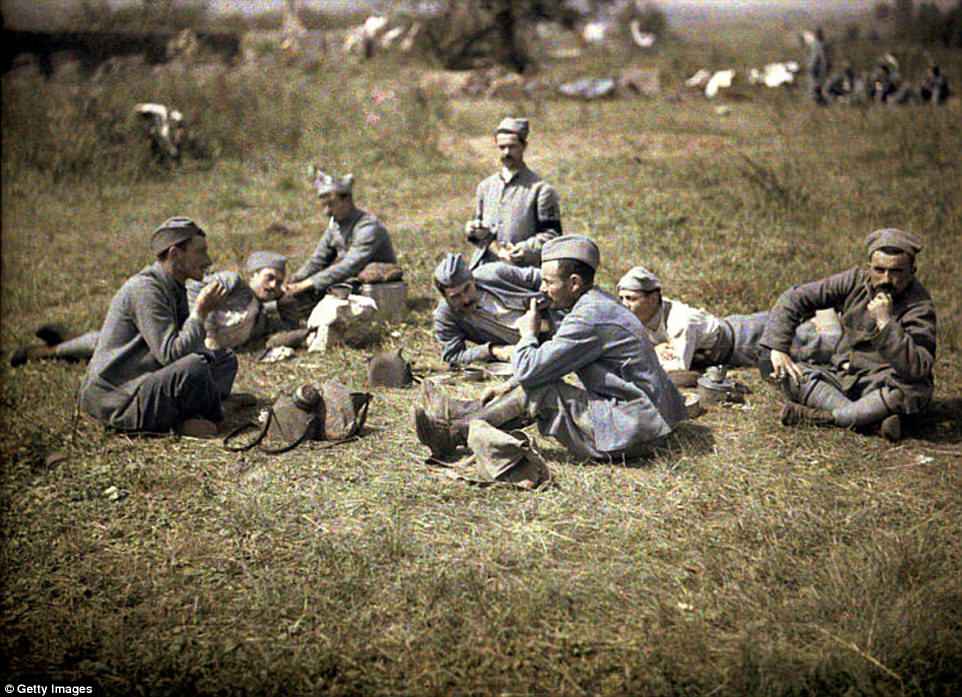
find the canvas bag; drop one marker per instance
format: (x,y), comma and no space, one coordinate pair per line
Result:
(333,414)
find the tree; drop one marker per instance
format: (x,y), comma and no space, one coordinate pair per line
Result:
(467,33)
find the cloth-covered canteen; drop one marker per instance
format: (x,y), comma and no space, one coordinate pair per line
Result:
(333,414)
(389,369)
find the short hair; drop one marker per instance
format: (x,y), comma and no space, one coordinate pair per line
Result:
(182,246)
(570,267)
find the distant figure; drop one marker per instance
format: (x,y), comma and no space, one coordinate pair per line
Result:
(935,87)
(165,128)
(819,66)
(884,79)
(846,86)
(516,211)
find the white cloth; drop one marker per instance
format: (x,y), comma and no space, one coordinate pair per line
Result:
(678,331)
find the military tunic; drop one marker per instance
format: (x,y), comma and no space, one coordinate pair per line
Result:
(628,400)
(506,293)
(150,370)
(242,317)
(897,359)
(345,248)
(698,339)
(522,210)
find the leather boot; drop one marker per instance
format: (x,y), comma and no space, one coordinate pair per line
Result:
(506,411)
(438,434)
(30,353)
(794,414)
(891,428)
(440,406)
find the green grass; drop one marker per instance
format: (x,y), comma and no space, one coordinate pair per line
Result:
(743,559)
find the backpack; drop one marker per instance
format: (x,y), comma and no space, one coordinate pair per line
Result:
(333,414)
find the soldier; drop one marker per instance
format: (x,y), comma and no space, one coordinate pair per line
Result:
(249,312)
(482,307)
(353,239)
(516,211)
(150,371)
(819,66)
(689,338)
(627,402)
(935,87)
(882,366)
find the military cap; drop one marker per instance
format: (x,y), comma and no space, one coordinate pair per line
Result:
(325,183)
(577,247)
(639,279)
(452,271)
(893,237)
(518,127)
(266,260)
(173,231)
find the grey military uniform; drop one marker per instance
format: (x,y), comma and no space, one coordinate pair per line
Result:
(895,361)
(511,287)
(242,317)
(150,370)
(345,248)
(628,400)
(524,210)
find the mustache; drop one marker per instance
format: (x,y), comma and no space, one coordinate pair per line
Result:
(885,288)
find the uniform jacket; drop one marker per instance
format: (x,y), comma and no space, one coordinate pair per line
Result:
(523,211)
(148,326)
(631,399)
(513,286)
(900,356)
(345,248)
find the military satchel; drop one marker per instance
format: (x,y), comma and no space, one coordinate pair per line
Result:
(334,414)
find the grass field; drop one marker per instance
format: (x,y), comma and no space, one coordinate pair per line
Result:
(743,559)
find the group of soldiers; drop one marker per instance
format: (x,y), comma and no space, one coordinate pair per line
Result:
(883,84)
(595,371)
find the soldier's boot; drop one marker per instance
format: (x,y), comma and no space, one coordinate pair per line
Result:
(80,348)
(868,411)
(508,411)
(891,428)
(293,338)
(444,436)
(52,334)
(794,414)
(441,406)
(30,353)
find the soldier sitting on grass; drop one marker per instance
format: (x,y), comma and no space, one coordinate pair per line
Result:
(353,239)
(882,366)
(249,312)
(626,404)
(151,371)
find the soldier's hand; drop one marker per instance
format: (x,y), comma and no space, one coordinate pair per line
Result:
(784,367)
(530,322)
(297,287)
(506,252)
(502,353)
(493,393)
(210,298)
(880,307)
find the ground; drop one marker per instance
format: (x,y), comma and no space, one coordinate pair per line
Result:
(743,558)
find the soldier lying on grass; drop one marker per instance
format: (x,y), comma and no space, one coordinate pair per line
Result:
(482,307)
(249,312)
(882,366)
(689,338)
(627,403)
